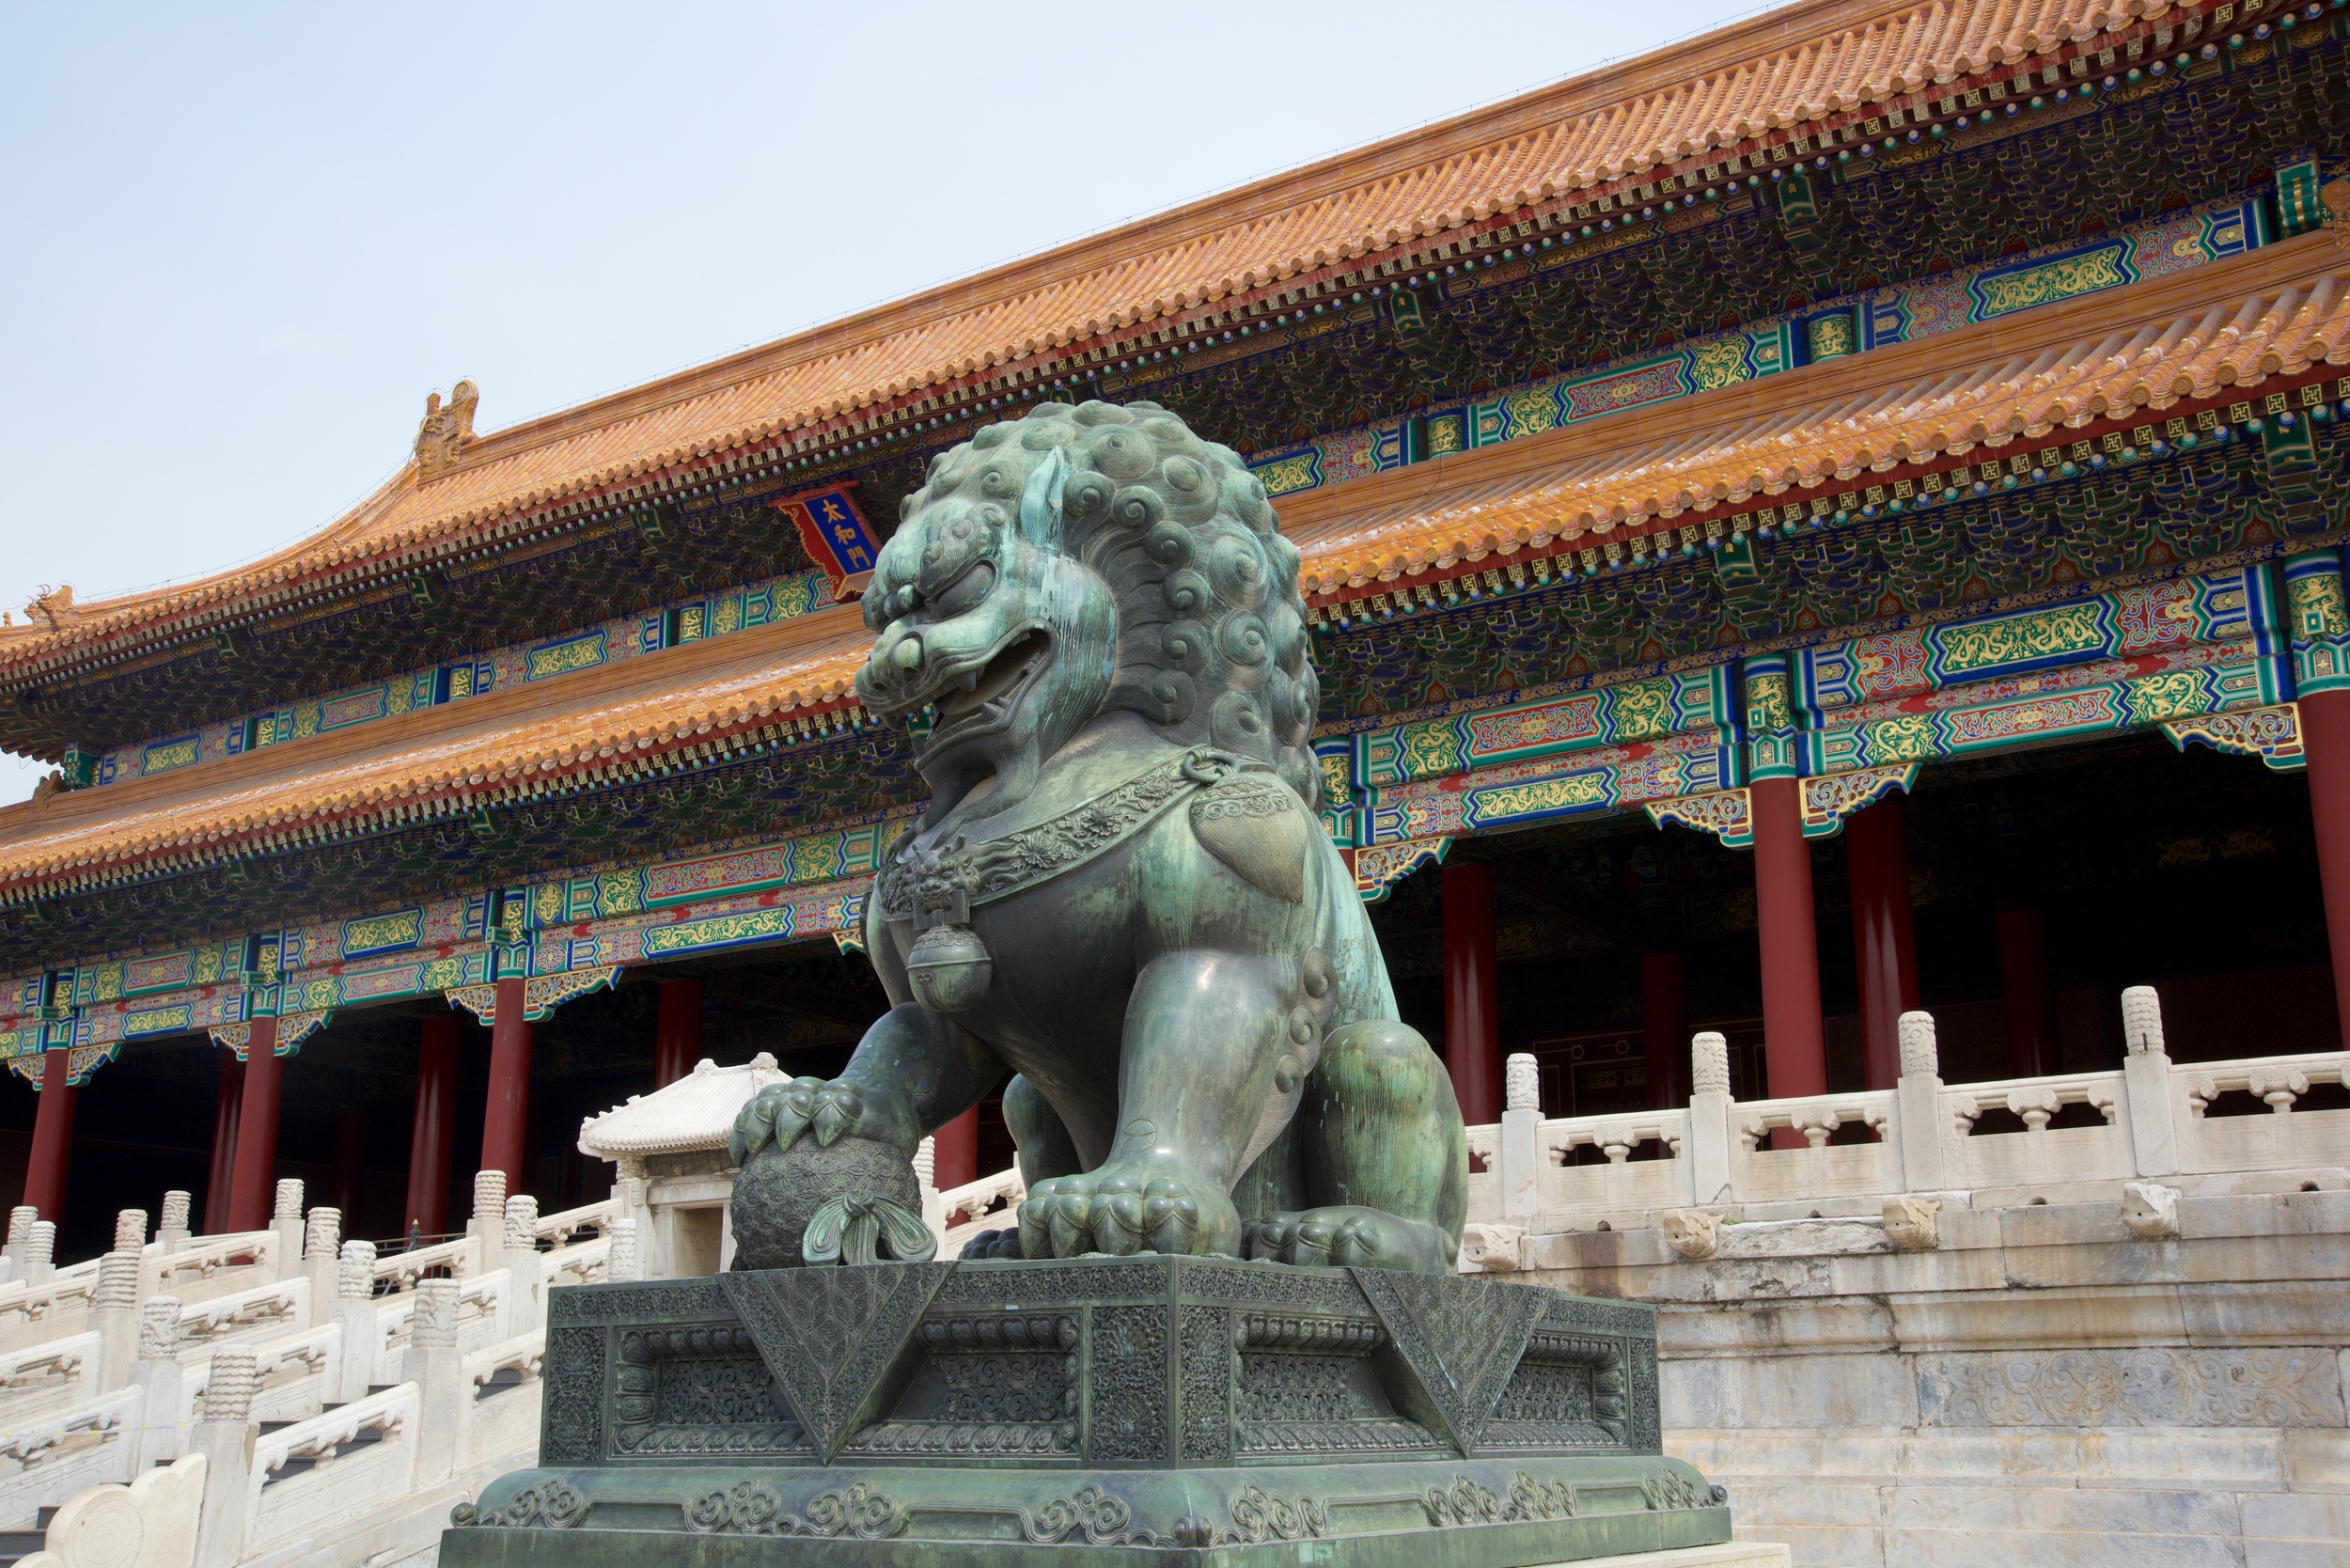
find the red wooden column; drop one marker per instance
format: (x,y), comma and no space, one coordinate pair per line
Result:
(224,1169)
(1472,1032)
(1665,1029)
(431,1133)
(1885,947)
(506,1122)
(52,1137)
(252,1191)
(2325,744)
(1795,1048)
(678,1032)
(957,1151)
(2031,1033)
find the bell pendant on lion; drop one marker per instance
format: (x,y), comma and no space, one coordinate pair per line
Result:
(1120,907)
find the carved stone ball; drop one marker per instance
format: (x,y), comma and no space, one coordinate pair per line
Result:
(778,1190)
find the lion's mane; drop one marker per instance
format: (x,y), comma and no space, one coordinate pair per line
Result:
(1212,631)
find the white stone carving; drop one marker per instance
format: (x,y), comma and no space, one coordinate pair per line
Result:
(1695,1233)
(130,1230)
(323,1233)
(2151,1209)
(1709,1064)
(355,1271)
(434,1325)
(621,1262)
(119,1279)
(1912,1224)
(1920,1056)
(1522,1083)
(289,1201)
(159,1328)
(176,1207)
(489,1194)
(2277,1088)
(20,1223)
(521,1224)
(230,1387)
(1493,1248)
(148,1524)
(41,1245)
(926,1164)
(2142,1019)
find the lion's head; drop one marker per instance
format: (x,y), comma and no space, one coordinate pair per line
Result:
(1080,562)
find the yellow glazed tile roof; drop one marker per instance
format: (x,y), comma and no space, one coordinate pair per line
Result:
(2218,332)
(483,750)
(1797,66)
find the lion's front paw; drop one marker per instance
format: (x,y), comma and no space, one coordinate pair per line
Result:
(780,1113)
(1147,1207)
(1348,1236)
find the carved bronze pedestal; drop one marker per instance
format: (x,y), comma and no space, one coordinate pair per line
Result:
(1163,1410)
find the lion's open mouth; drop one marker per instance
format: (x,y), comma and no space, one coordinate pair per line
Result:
(977,688)
(979,701)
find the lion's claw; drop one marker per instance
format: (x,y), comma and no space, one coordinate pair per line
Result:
(1349,1237)
(836,1108)
(1123,1211)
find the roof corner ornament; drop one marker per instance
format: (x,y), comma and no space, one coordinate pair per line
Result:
(55,605)
(446,431)
(2335,198)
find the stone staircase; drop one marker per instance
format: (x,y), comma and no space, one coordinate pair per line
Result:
(333,1405)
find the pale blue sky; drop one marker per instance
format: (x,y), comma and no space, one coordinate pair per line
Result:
(246,242)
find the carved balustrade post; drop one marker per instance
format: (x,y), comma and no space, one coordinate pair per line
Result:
(1707,1154)
(525,1302)
(436,1367)
(130,1236)
(355,1310)
(115,1316)
(225,1438)
(321,1237)
(41,1250)
(286,1220)
(1519,1168)
(620,1264)
(2146,1074)
(487,1227)
(158,1372)
(21,1221)
(172,1232)
(1918,1120)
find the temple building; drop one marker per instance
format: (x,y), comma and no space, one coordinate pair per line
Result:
(1840,516)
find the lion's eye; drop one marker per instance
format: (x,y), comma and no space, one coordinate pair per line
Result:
(966,591)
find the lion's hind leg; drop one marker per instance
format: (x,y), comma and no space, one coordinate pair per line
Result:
(1386,1158)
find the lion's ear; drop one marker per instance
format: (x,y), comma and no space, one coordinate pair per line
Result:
(1040,501)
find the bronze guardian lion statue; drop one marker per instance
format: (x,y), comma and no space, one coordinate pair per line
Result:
(1121,898)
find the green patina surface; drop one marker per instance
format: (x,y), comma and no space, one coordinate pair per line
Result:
(1150,1410)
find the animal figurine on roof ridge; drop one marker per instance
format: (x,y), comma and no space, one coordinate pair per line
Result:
(1119,907)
